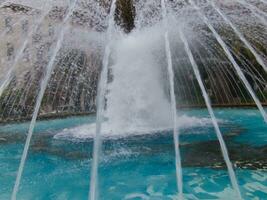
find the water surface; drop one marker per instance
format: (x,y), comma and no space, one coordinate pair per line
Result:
(139,166)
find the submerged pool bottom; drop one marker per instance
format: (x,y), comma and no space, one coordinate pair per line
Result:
(138,167)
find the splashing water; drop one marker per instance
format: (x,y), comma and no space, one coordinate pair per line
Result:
(136,98)
(19,54)
(234,63)
(258,13)
(137,86)
(214,121)
(39,99)
(241,36)
(178,164)
(100,108)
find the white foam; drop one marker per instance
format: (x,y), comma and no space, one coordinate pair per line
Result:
(137,195)
(88,130)
(136,100)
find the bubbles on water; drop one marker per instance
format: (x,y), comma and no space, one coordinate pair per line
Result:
(88,130)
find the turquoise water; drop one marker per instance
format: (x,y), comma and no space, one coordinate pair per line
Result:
(138,167)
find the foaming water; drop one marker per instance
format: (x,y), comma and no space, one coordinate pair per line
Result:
(136,98)
(88,130)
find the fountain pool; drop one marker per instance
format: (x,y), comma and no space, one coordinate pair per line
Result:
(139,71)
(138,166)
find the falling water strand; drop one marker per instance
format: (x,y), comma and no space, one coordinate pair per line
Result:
(214,120)
(234,63)
(178,164)
(241,36)
(4,84)
(100,107)
(19,54)
(252,7)
(6,30)
(44,83)
(254,10)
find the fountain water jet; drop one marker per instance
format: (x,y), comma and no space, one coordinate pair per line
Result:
(241,36)
(232,60)
(4,32)
(252,7)
(214,121)
(44,83)
(178,164)
(19,54)
(100,106)
(255,11)
(109,53)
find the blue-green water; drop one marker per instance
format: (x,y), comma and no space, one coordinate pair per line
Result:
(138,167)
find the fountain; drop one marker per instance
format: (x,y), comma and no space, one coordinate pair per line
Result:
(100,107)
(178,164)
(40,96)
(21,49)
(214,120)
(127,88)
